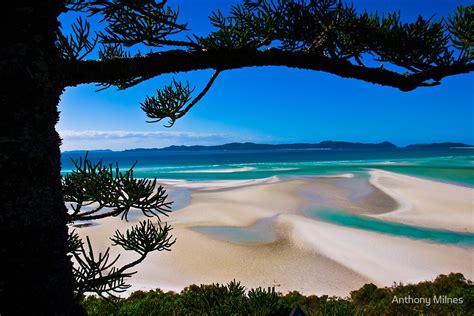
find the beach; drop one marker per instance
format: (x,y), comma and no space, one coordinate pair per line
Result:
(427,203)
(272,232)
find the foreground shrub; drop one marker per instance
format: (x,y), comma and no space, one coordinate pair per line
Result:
(448,295)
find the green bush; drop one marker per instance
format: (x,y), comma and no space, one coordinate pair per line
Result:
(233,299)
(381,301)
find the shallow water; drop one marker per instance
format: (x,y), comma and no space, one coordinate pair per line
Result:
(342,218)
(260,232)
(181,197)
(358,186)
(449,165)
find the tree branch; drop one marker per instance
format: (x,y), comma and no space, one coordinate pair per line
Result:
(202,93)
(89,216)
(440,72)
(151,65)
(164,104)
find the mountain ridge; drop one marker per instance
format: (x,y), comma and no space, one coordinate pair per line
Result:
(295,146)
(255,146)
(439,145)
(324,145)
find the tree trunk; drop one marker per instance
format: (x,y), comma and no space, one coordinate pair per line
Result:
(36,276)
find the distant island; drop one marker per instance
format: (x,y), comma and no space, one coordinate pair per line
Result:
(439,145)
(296,146)
(304,146)
(325,145)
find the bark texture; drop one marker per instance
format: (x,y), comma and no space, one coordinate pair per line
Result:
(155,64)
(36,276)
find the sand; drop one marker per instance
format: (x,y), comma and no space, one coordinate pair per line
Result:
(383,259)
(426,203)
(310,256)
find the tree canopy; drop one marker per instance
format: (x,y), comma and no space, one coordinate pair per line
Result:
(322,35)
(121,43)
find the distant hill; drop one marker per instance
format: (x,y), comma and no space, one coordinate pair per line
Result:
(438,145)
(253,146)
(82,151)
(297,146)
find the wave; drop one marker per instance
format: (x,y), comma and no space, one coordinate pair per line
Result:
(342,175)
(229,170)
(167,169)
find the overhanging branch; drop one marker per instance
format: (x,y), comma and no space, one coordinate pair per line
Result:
(79,72)
(164,104)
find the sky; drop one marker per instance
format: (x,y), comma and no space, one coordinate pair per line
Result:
(275,104)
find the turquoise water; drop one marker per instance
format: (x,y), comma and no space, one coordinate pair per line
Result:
(260,232)
(449,165)
(389,228)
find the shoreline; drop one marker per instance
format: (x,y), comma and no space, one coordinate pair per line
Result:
(309,255)
(426,203)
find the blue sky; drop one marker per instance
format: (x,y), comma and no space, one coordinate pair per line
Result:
(276,104)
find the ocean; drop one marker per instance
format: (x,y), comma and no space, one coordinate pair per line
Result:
(455,166)
(448,165)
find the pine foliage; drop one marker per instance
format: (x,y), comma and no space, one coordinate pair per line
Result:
(331,32)
(97,191)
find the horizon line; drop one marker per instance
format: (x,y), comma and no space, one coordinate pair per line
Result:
(466,146)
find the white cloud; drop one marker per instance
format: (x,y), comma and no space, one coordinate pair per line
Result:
(120,139)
